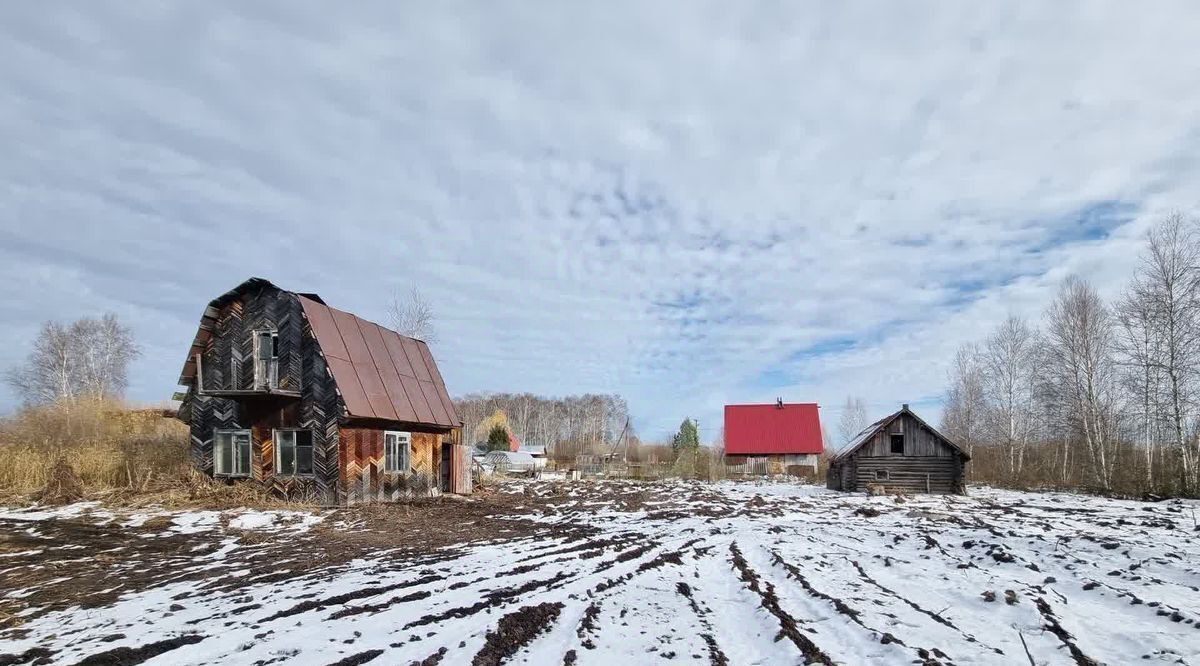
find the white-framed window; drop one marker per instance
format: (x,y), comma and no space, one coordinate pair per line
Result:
(293,452)
(882,475)
(231,453)
(396,447)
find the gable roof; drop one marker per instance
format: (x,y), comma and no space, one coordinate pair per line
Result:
(381,374)
(773,429)
(862,438)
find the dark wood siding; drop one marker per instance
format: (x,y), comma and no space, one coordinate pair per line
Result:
(928,464)
(909,475)
(227,364)
(919,441)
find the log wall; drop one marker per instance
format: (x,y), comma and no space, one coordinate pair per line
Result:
(928,463)
(918,441)
(908,475)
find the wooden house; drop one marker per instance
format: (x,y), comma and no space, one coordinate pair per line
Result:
(317,403)
(900,453)
(779,438)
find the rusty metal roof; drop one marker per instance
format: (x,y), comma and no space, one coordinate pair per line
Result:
(380,373)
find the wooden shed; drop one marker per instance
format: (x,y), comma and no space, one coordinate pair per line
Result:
(900,453)
(317,403)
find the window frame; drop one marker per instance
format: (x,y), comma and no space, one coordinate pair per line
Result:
(271,381)
(232,433)
(893,439)
(404,464)
(277,444)
(883,475)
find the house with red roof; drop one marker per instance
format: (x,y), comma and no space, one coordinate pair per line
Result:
(778,438)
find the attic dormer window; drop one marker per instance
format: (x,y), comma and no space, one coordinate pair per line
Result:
(266,360)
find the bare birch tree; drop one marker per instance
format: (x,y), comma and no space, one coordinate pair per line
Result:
(88,358)
(962,417)
(1079,357)
(1139,346)
(412,315)
(1169,283)
(1009,362)
(853,420)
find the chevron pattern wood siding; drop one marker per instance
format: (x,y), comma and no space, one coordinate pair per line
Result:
(347,453)
(228,364)
(363,478)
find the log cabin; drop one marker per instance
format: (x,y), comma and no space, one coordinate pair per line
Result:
(901,454)
(316,403)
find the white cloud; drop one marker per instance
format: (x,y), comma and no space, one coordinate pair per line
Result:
(687,204)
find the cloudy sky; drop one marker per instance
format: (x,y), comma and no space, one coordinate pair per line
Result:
(686,203)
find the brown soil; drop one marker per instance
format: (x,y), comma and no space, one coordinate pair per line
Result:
(150,555)
(515,631)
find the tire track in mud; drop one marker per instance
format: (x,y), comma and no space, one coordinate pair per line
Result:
(350,611)
(670,557)
(770,601)
(341,599)
(588,628)
(490,600)
(587,625)
(128,656)
(358,659)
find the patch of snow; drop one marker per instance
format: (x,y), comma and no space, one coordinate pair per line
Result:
(253,520)
(190,522)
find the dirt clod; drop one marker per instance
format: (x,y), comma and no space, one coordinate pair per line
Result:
(514,631)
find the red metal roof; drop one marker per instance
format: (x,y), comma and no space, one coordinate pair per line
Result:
(380,373)
(767,429)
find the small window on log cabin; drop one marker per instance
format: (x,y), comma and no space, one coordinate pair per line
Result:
(881,475)
(898,444)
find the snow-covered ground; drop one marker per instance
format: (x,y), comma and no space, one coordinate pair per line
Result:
(619,573)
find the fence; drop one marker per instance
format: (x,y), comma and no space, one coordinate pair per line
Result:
(699,468)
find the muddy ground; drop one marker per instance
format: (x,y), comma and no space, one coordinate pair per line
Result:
(610,571)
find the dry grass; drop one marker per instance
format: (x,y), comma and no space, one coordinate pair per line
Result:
(107,445)
(124,456)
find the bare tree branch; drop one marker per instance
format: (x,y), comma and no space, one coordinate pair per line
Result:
(88,358)
(412,315)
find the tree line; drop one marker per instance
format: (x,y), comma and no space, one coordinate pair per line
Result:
(1094,394)
(589,423)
